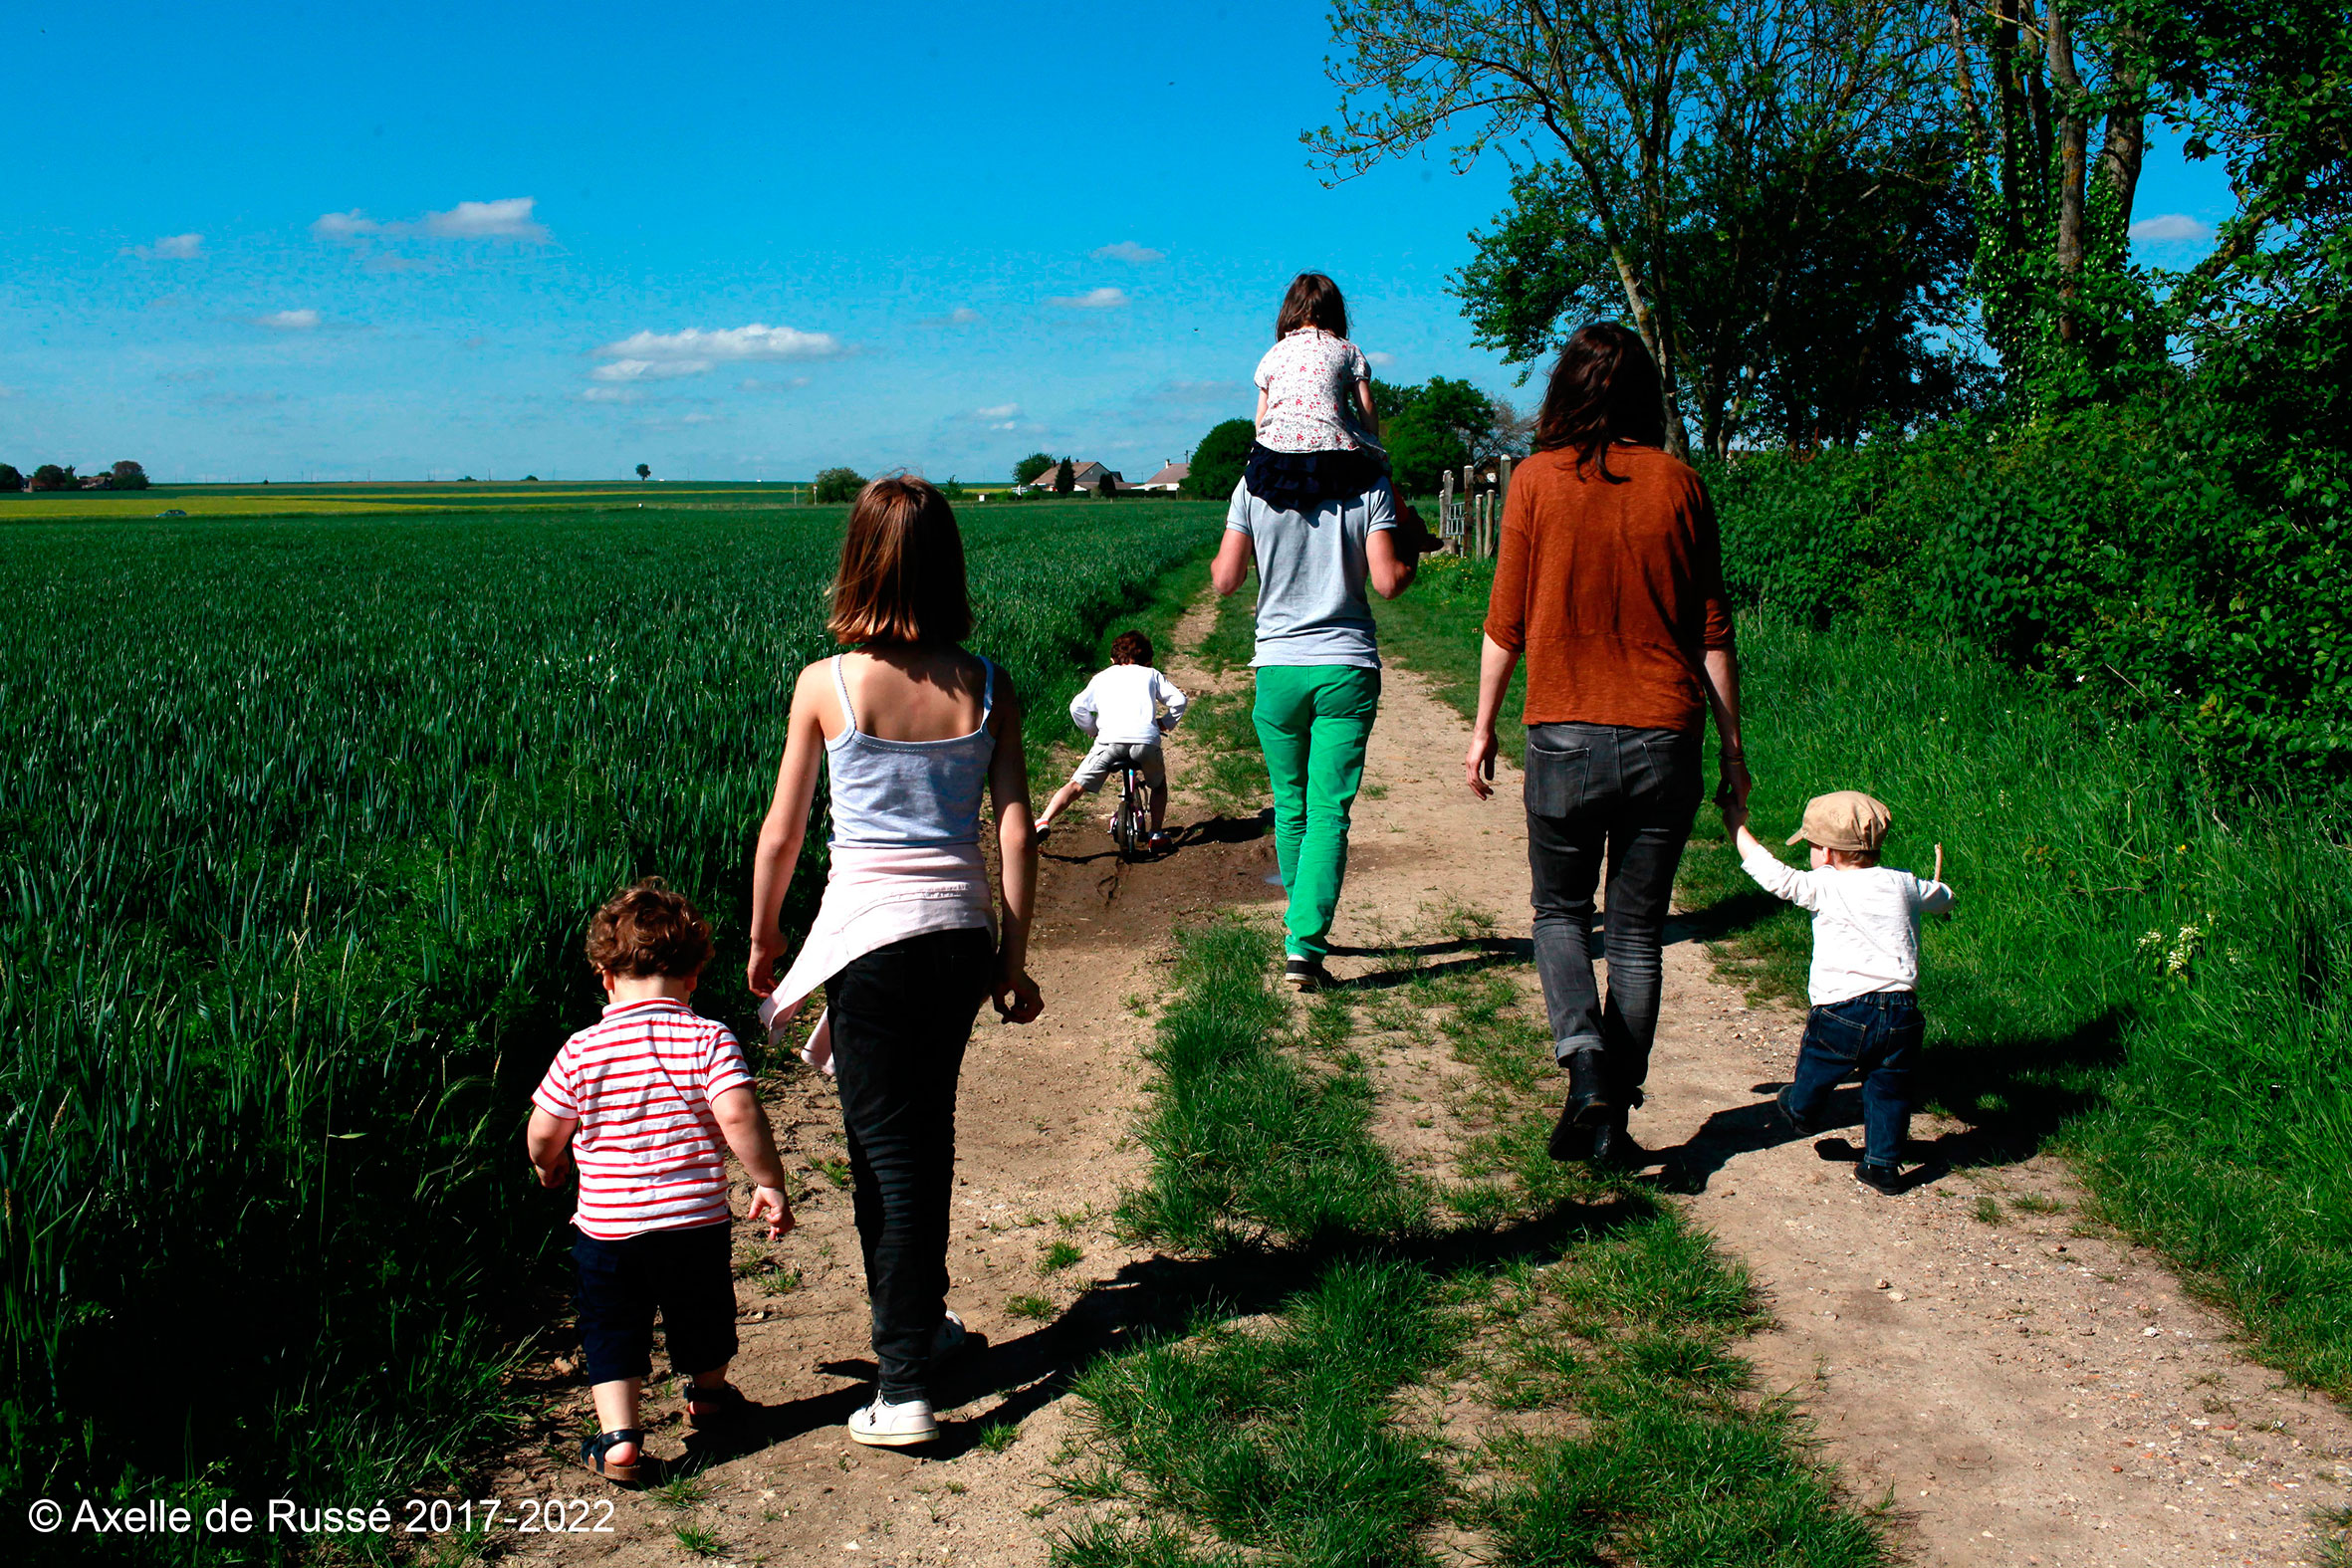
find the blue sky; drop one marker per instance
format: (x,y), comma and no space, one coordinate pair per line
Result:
(733,242)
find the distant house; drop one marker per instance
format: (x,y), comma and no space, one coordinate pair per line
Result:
(1168,478)
(1086,476)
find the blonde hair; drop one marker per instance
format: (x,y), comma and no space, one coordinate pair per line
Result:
(902,568)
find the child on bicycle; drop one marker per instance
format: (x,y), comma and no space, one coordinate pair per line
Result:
(1125,711)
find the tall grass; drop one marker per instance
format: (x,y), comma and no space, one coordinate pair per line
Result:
(2156,975)
(305,818)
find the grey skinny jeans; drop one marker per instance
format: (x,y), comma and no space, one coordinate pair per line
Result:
(1595,789)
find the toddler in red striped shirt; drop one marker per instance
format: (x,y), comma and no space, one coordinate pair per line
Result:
(645,1104)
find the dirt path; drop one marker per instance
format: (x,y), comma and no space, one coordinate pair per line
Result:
(1043,1156)
(2020,1393)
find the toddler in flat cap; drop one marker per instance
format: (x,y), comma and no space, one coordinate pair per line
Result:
(1864,984)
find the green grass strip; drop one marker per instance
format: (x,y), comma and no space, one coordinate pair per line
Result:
(1251,1143)
(1280,1440)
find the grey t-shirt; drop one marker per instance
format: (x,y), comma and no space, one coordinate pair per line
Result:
(1312,608)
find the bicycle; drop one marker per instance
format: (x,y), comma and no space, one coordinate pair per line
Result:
(1131,825)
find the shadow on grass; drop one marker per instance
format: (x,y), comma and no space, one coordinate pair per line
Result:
(1151,1299)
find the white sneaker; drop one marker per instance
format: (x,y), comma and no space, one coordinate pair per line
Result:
(949,1340)
(883,1425)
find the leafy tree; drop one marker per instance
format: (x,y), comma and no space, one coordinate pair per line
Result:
(1107,487)
(1421,448)
(838,485)
(1217,463)
(953,490)
(1637,103)
(645,472)
(1066,478)
(126,475)
(529,479)
(9,479)
(1816,330)
(48,476)
(1030,467)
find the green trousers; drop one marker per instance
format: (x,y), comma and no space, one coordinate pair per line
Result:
(1312,723)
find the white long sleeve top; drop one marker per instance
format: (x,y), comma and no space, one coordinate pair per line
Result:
(1123,705)
(1865,921)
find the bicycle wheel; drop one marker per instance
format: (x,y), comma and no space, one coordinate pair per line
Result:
(1126,827)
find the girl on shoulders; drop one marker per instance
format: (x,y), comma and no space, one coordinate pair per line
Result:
(912,729)
(1315,425)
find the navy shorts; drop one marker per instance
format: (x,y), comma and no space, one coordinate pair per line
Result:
(688,1276)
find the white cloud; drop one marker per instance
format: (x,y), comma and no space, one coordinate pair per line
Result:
(697,418)
(289,321)
(1001,411)
(1091,300)
(352,225)
(1379,360)
(660,356)
(961,316)
(608,394)
(648,369)
(507,218)
(1130,252)
(2171,226)
(171,247)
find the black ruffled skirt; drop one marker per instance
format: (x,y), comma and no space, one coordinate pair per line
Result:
(1303,481)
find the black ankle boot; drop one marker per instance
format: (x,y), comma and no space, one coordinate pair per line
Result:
(1613,1148)
(1588,1090)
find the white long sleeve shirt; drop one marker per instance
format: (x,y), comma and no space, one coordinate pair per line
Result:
(1123,704)
(1865,921)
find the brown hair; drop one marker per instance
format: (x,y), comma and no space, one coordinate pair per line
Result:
(1314,301)
(1130,647)
(1604,388)
(902,568)
(645,929)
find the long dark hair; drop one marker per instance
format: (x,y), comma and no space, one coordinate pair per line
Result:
(1604,388)
(1314,301)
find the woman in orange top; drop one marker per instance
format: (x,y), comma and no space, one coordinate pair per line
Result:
(1609,582)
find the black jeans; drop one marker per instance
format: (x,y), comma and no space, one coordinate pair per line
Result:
(901,1015)
(1875,1037)
(1595,789)
(687,1275)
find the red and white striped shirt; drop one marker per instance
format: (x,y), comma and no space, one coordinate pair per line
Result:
(648,1149)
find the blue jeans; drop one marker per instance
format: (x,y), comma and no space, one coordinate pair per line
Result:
(1598,793)
(1877,1039)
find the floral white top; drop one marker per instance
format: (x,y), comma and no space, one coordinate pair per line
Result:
(1309,379)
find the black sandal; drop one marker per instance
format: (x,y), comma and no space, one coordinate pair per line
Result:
(593,1452)
(732,1407)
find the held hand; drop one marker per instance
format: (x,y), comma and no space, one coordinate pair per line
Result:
(759,973)
(769,1204)
(1015,996)
(1733,790)
(1413,536)
(1478,768)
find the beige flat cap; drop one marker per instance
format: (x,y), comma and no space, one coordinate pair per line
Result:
(1845,819)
